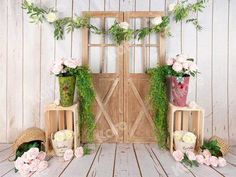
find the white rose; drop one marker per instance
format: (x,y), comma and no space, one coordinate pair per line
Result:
(181,58)
(51,17)
(186,65)
(156,21)
(56,69)
(59,136)
(178,135)
(189,137)
(193,67)
(124,25)
(177,67)
(71,63)
(170,61)
(68,134)
(172,7)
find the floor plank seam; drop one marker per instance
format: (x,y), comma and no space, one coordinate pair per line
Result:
(137,161)
(66,167)
(98,152)
(217,171)
(5,149)
(8,172)
(114,164)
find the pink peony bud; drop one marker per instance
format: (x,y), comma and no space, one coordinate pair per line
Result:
(79,152)
(178,155)
(200,159)
(42,165)
(68,154)
(214,161)
(222,162)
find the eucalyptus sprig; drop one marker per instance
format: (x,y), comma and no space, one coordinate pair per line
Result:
(183,10)
(35,13)
(120,33)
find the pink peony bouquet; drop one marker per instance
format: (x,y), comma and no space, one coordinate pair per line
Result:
(190,159)
(30,162)
(64,67)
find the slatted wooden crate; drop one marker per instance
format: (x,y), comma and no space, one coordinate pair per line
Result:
(60,118)
(187,119)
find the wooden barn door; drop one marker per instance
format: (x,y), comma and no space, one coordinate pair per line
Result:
(138,57)
(105,60)
(122,111)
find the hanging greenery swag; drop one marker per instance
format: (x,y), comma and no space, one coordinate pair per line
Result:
(179,12)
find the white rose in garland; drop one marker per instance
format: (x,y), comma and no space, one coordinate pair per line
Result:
(156,21)
(51,16)
(124,25)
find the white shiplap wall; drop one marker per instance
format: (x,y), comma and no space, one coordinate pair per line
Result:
(27,51)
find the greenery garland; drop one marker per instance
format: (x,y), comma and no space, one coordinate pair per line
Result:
(159,100)
(180,12)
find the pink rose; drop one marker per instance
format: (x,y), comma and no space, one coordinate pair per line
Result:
(214,161)
(186,65)
(79,152)
(170,61)
(41,156)
(71,63)
(222,162)
(19,163)
(68,154)
(200,159)
(32,153)
(25,170)
(56,69)
(25,158)
(207,161)
(42,165)
(206,153)
(34,165)
(177,67)
(178,155)
(191,155)
(60,61)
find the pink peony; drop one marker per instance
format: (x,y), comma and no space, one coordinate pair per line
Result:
(222,162)
(79,152)
(19,163)
(206,153)
(34,165)
(200,159)
(68,154)
(170,61)
(178,155)
(177,67)
(191,155)
(56,69)
(214,161)
(60,61)
(41,156)
(25,170)
(25,158)
(207,161)
(42,165)
(71,63)
(32,153)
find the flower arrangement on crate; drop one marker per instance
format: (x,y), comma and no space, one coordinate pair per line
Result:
(210,155)
(181,11)
(70,74)
(184,141)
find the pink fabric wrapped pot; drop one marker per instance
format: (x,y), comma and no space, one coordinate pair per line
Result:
(178,90)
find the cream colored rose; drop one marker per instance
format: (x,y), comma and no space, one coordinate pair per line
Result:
(189,137)
(68,134)
(51,17)
(178,135)
(59,136)
(156,21)
(124,25)
(172,7)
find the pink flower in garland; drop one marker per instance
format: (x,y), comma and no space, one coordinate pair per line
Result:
(34,165)
(191,155)
(178,155)
(214,161)
(79,152)
(68,154)
(207,161)
(206,153)
(222,162)
(200,159)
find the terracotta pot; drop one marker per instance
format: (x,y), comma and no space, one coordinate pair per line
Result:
(67,90)
(178,87)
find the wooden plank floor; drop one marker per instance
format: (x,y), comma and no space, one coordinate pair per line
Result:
(121,160)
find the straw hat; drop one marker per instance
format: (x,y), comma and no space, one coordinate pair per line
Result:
(28,135)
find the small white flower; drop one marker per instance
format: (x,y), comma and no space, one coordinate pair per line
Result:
(56,69)
(186,65)
(51,17)
(170,61)
(156,21)
(181,58)
(172,7)
(177,67)
(193,67)
(124,25)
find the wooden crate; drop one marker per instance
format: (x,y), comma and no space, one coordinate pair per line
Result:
(188,119)
(60,118)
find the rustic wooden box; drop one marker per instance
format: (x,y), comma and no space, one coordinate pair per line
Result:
(188,119)
(60,118)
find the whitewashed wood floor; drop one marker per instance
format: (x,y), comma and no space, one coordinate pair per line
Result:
(122,160)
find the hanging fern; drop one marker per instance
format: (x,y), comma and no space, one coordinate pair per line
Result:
(159,100)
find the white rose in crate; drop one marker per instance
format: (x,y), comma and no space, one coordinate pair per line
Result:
(189,137)
(59,136)
(156,21)
(51,17)
(184,141)
(178,135)
(124,25)
(172,7)
(68,134)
